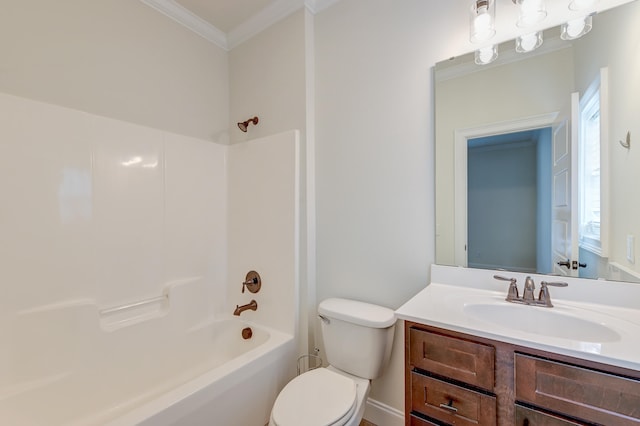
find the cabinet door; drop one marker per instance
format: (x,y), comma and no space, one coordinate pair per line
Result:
(578,392)
(528,417)
(469,362)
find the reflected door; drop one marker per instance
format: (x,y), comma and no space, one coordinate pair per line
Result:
(564,194)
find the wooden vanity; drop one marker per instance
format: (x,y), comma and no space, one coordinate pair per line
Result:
(452,378)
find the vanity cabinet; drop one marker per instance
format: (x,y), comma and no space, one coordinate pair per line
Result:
(598,396)
(453,378)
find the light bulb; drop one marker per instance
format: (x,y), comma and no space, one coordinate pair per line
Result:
(486,55)
(531,12)
(528,42)
(482,25)
(582,4)
(576,28)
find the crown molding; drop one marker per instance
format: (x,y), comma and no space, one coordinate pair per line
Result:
(273,13)
(193,22)
(262,20)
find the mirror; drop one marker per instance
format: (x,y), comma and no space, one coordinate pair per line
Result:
(532,96)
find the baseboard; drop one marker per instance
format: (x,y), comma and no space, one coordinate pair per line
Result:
(382,414)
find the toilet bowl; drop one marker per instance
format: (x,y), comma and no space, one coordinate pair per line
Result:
(322,397)
(357,337)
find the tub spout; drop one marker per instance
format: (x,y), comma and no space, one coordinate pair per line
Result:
(253,305)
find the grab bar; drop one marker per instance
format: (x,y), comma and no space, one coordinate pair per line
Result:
(115,309)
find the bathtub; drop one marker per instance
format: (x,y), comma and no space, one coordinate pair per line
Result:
(70,369)
(236,386)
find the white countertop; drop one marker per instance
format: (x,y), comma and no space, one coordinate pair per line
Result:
(607,306)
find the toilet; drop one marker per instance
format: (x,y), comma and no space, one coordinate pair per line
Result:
(358,338)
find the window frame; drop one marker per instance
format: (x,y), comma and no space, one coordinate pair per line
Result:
(596,93)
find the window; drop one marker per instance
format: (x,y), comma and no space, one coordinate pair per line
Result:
(591,175)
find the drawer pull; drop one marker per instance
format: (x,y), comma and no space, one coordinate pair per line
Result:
(449,407)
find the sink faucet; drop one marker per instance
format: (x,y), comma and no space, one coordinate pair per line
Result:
(529,286)
(253,305)
(528,298)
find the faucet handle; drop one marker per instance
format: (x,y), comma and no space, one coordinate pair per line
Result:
(544,298)
(512,294)
(554,284)
(503,278)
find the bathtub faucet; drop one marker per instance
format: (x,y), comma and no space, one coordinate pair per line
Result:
(253,305)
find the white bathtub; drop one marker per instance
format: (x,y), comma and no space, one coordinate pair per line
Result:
(237,386)
(68,370)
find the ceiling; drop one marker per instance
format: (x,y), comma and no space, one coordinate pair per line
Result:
(228,23)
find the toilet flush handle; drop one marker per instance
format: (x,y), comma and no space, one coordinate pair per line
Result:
(324,319)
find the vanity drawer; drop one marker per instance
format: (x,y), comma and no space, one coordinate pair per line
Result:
(417,421)
(432,397)
(459,359)
(577,392)
(526,416)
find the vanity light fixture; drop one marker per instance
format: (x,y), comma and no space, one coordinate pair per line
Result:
(532,12)
(486,55)
(482,19)
(528,42)
(576,28)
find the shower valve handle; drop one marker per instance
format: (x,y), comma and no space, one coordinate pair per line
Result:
(252,282)
(249,282)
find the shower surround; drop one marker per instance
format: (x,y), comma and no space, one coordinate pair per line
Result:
(111,228)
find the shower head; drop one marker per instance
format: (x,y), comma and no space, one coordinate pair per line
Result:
(244,124)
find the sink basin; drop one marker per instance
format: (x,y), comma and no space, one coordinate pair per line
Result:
(550,322)
(593,320)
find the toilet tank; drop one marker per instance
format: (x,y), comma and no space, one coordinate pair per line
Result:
(357,336)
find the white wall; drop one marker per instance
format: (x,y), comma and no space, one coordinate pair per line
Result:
(374,153)
(83,219)
(116,58)
(623,62)
(269,79)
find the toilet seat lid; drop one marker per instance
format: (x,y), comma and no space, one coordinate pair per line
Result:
(317,398)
